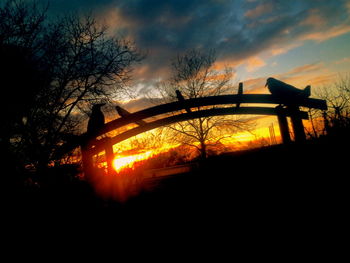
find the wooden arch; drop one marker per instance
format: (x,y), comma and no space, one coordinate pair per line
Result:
(186,110)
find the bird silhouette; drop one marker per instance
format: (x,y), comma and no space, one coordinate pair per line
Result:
(123,113)
(283,90)
(182,99)
(97,119)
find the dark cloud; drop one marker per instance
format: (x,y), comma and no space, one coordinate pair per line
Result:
(64,6)
(236,29)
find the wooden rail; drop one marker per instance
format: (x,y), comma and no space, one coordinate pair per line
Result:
(100,145)
(208,101)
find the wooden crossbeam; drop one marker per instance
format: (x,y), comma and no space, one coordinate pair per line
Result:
(207,101)
(192,115)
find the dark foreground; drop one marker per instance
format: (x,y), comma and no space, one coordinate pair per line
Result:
(289,186)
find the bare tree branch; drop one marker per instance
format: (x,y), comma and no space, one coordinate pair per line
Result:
(194,76)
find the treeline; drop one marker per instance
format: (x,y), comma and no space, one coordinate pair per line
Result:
(52,71)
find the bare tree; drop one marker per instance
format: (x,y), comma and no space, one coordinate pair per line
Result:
(78,64)
(316,127)
(337,117)
(195,76)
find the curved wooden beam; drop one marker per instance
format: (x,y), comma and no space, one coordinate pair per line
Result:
(208,101)
(100,145)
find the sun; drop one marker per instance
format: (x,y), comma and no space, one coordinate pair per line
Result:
(122,162)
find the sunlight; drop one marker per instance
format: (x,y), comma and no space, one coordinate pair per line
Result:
(122,162)
(126,160)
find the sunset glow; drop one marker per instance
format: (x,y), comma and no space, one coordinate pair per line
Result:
(236,141)
(122,162)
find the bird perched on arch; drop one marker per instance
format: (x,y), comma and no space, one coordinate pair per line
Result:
(182,99)
(283,90)
(123,113)
(97,119)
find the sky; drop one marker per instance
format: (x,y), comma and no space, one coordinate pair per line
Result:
(302,42)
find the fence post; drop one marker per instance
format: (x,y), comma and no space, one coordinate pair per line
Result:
(240,92)
(87,161)
(297,124)
(283,124)
(109,155)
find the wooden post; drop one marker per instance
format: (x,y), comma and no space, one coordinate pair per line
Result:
(297,124)
(109,156)
(87,161)
(240,92)
(326,123)
(283,123)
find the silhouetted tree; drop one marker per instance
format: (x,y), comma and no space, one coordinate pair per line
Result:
(21,76)
(337,118)
(195,76)
(77,64)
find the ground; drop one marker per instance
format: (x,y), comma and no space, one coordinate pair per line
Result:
(298,185)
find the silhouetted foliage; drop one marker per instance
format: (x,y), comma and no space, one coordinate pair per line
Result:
(51,72)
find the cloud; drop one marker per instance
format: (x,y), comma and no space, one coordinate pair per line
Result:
(238,30)
(314,18)
(138,104)
(256,85)
(314,74)
(67,6)
(313,67)
(254,63)
(327,34)
(259,10)
(279,50)
(342,61)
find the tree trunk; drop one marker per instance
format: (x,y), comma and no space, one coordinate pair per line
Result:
(203,151)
